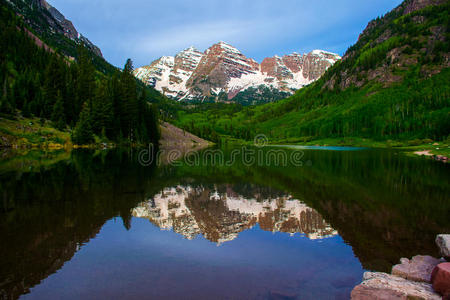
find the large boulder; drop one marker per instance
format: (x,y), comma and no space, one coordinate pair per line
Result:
(441,279)
(382,286)
(443,242)
(419,268)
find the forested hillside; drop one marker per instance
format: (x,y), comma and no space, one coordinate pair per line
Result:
(60,34)
(392,84)
(39,81)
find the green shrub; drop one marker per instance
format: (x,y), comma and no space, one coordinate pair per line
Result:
(415,142)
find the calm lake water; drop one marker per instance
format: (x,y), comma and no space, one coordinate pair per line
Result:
(100,225)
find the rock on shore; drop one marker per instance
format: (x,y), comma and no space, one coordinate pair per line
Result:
(443,242)
(422,277)
(441,280)
(382,286)
(419,268)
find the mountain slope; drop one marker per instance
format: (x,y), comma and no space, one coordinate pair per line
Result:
(39,81)
(414,33)
(392,84)
(222,72)
(57,31)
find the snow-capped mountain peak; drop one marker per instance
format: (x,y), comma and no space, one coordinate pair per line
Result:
(192,74)
(228,47)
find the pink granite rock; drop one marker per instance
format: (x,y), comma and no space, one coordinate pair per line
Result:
(419,268)
(441,279)
(382,286)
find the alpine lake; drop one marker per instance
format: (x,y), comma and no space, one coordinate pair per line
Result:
(261,223)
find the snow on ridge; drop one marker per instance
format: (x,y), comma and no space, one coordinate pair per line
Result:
(165,77)
(321,52)
(170,75)
(167,60)
(228,47)
(251,80)
(192,49)
(169,211)
(298,82)
(217,91)
(238,61)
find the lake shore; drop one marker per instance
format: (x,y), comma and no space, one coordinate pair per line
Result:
(437,150)
(375,221)
(415,147)
(422,277)
(36,134)
(32,133)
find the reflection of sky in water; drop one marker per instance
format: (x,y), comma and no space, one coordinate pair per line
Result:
(324,148)
(148,262)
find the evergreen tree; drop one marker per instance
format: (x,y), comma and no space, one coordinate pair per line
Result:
(46,84)
(85,80)
(152,124)
(58,118)
(5,105)
(101,115)
(115,94)
(26,110)
(130,106)
(82,134)
(53,83)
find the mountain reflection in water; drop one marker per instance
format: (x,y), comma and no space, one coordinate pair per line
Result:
(76,225)
(221,216)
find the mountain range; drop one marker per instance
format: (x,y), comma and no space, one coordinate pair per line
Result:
(181,209)
(392,84)
(222,72)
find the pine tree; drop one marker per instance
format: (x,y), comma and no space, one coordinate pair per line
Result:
(82,134)
(115,94)
(101,115)
(130,106)
(58,117)
(142,130)
(152,124)
(85,81)
(26,110)
(53,82)
(45,84)
(5,105)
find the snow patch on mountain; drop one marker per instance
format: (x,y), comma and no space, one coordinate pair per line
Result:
(169,74)
(251,80)
(192,74)
(171,210)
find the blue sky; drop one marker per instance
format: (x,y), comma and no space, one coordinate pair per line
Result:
(144,30)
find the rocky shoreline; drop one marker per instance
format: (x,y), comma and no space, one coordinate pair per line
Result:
(422,277)
(428,153)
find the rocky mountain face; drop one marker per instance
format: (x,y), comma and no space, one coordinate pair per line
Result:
(220,214)
(169,74)
(54,19)
(222,72)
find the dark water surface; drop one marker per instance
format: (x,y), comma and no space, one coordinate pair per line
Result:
(100,225)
